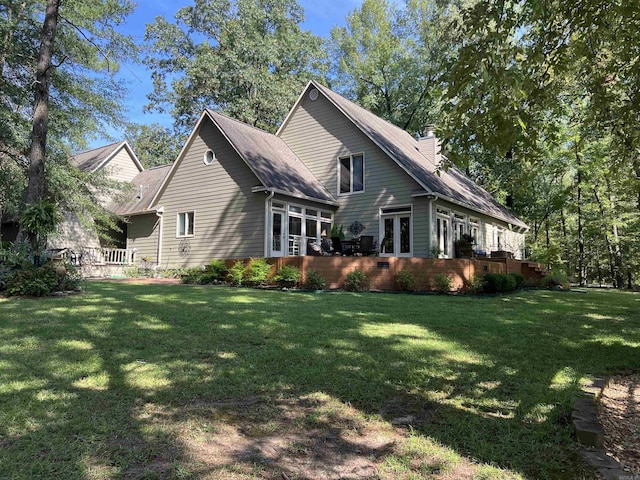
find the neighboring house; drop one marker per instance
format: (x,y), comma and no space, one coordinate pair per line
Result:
(119,163)
(236,191)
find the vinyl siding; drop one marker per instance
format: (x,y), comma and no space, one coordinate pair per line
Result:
(319,134)
(229,217)
(121,167)
(513,241)
(142,234)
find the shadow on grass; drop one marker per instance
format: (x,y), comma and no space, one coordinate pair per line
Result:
(149,381)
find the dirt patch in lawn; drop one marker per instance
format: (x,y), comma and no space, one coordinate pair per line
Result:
(311,437)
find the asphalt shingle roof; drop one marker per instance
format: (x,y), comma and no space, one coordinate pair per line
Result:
(89,161)
(401,146)
(271,160)
(146,184)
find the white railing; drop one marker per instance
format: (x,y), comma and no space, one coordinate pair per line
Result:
(102,256)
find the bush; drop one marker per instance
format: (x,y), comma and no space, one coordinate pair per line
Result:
(405,280)
(556,280)
(314,281)
(287,276)
(356,281)
(499,282)
(519,279)
(213,273)
(192,276)
(236,273)
(257,271)
(474,285)
(41,281)
(444,283)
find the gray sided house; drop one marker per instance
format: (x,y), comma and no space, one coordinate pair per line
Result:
(237,192)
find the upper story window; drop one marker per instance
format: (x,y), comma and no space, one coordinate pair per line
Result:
(351,174)
(186,224)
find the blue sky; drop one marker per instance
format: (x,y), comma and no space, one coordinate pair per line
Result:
(320,17)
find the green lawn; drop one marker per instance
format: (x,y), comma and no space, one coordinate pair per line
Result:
(135,381)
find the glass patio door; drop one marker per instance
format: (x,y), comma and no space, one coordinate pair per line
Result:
(277,234)
(397,235)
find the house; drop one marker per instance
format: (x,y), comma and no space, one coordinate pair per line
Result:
(119,163)
(235,191)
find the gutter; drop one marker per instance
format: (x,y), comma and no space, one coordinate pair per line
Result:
(434,196)
(294,195)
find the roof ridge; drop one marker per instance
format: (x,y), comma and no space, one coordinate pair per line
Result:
(99,148)
(244,124)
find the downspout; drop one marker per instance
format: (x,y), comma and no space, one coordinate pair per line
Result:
(267,221)
(159,213)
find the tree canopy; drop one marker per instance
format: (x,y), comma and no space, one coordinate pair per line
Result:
(247,58)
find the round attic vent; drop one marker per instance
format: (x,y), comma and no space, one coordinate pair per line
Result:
(313,95)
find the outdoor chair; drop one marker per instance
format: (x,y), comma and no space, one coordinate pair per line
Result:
(366,245)
(326,248)
(338,247)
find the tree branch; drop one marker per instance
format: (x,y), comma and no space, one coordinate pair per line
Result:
(79,30)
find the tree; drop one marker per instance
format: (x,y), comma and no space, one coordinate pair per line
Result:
(390,59)
(53,87)
(154,144)
(248,58)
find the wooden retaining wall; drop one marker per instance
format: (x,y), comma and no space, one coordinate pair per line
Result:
(382,271)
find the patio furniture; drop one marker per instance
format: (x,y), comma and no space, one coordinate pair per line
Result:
(365,246)
(340,247)
(314,249)
(325,247)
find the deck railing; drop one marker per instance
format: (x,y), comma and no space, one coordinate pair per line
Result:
(101,256)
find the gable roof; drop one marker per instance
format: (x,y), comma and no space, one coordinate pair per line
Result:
(146,185)
(271,160)
(399,145)
(273,163)
(94,160)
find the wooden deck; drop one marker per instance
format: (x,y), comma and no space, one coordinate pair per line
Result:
(382,271)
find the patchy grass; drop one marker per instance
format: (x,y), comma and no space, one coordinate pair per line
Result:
(140,381)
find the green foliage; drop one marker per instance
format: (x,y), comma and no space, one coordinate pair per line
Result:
(41,281)
(337,231)
(314,281)
(444,282)
(40,219)
(356,281)
(192,276)
(154,144)
(390,58)
(556,279)
(405,280)
(257,271)
(474,285)
(287,276)
(519,279)
(499,283)
(214,272)
(249,59)
(236,273)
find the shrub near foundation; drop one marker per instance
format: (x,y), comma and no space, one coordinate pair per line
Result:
(356,281)
(287,276)
(444,283)
(499,283)
(314,281)
(405,280)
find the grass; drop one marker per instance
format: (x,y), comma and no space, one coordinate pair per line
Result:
(141,381)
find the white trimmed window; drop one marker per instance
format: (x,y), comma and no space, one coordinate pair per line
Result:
(396,230)
(185,224)
(351,174)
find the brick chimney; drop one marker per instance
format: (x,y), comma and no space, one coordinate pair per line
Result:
(429,146)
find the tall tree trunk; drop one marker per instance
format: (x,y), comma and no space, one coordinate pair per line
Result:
(612,263)
(581,255)
(36,188)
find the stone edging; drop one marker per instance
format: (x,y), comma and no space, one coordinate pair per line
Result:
(590,433)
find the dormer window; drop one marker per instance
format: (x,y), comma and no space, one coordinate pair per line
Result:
(351,174)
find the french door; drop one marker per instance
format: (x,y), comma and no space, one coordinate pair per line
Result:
(396,232)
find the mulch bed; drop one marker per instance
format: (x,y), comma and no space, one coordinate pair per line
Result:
(619,414)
